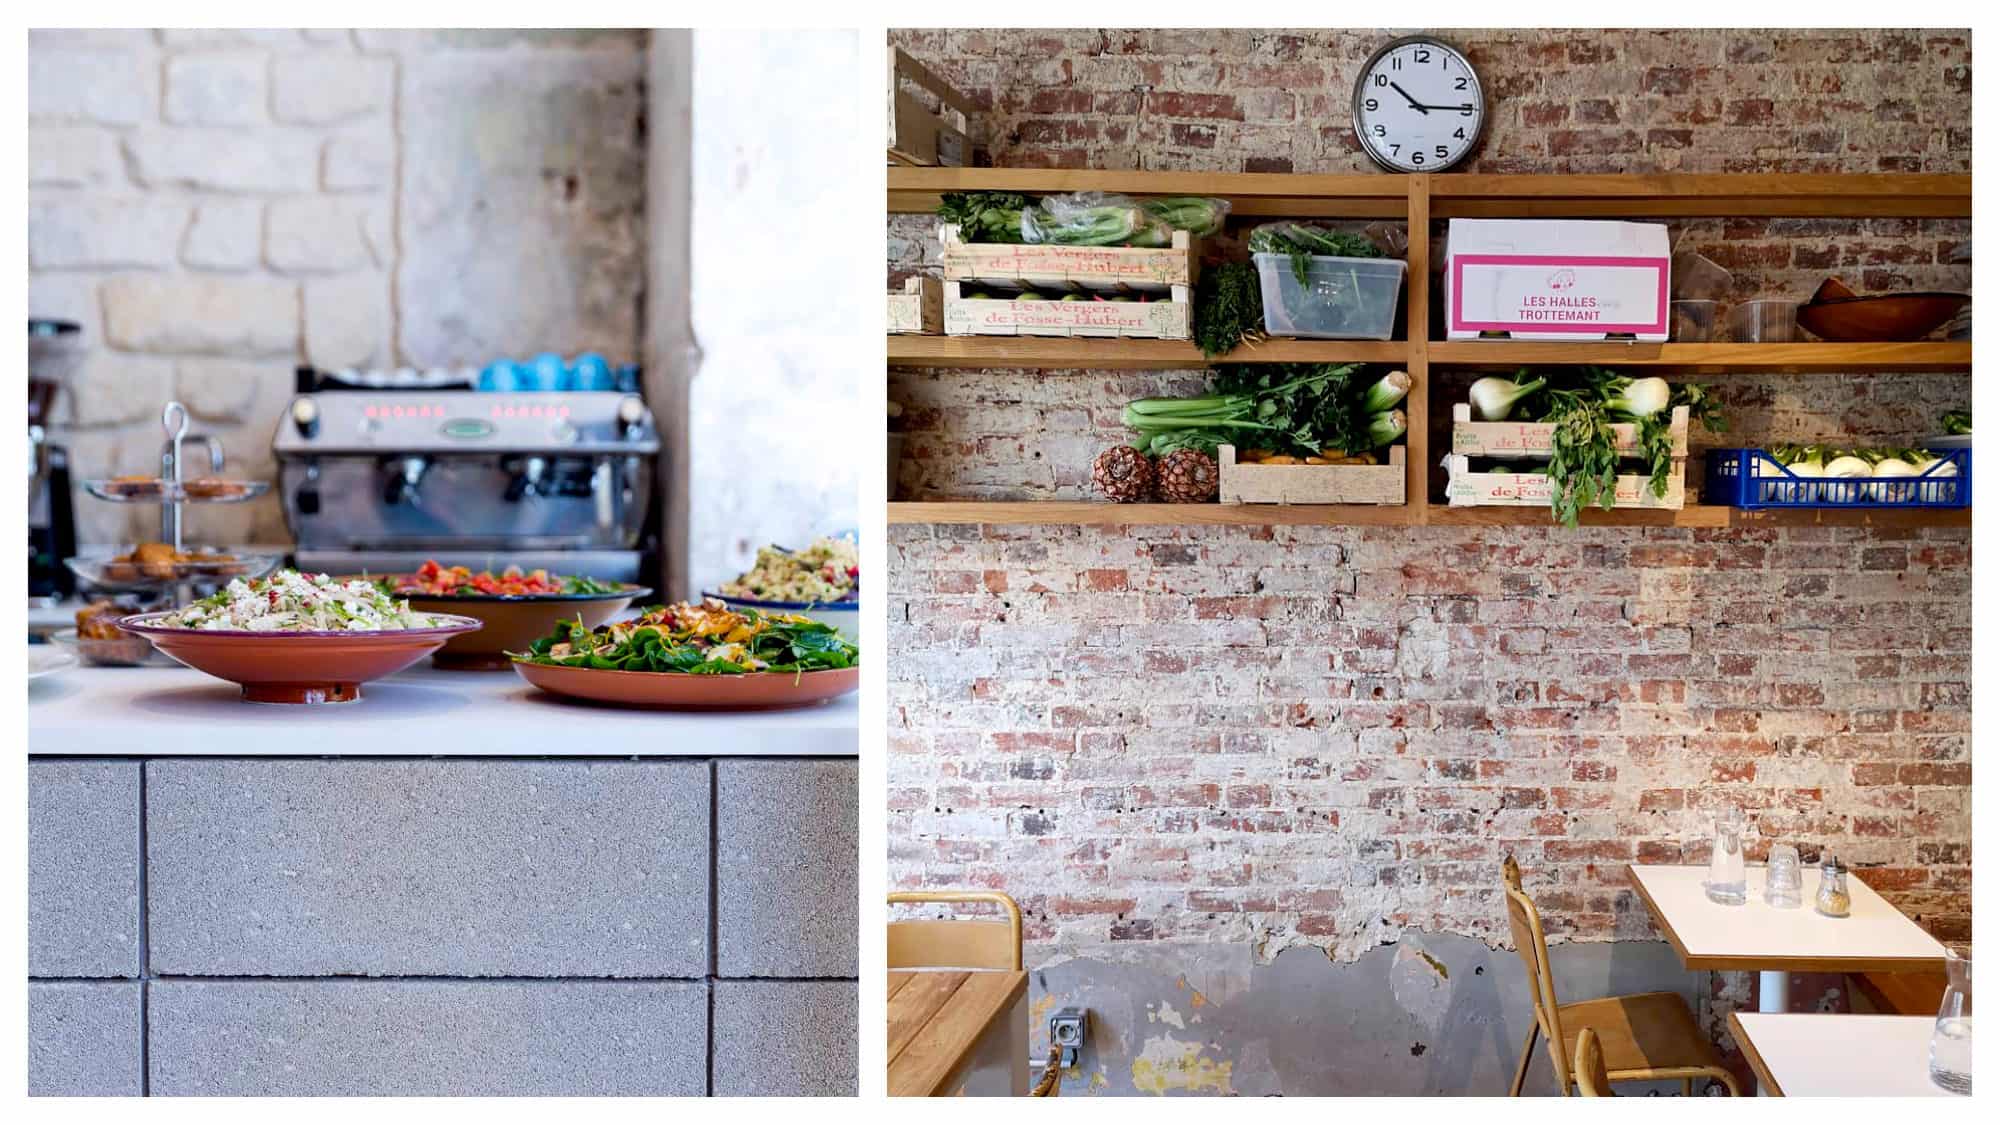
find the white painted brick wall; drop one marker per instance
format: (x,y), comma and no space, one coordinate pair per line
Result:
(216,206)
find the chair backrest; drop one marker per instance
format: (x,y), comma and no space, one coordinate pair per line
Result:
(1591,1079)
(956,943)
(1533,948)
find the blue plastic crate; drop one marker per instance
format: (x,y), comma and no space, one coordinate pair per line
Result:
(1752,478)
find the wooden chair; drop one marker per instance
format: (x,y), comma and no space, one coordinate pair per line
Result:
(1647,1037)
(955,943)
(1591,1080)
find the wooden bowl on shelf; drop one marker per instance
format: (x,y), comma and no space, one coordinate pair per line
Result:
(1888,318)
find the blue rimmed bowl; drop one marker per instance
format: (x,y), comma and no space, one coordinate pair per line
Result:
(844,616)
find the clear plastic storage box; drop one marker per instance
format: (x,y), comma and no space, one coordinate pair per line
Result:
(1342,298)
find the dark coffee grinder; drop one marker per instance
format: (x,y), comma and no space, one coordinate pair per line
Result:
(54,348)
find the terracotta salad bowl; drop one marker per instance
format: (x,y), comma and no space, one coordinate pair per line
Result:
(512,622)
(678,691)
(297,667)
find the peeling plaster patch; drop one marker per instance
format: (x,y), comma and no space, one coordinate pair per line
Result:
(1420,982)
(1306,1025)
(1167,1064)
(1167,1015)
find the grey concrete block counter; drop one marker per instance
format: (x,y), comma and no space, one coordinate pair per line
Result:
(84,1038)
(791,1037)
(785,877)
(446,868)
(387,1037)
(487,926)
(83,869)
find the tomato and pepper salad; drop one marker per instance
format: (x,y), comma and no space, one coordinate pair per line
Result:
(435,581)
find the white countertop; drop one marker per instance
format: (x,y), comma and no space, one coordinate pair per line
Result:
(420,712)
(1708,935)
(1806,1055)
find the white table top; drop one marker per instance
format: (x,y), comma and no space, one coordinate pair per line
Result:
(1708,935)
(1808,1055)
(178,711)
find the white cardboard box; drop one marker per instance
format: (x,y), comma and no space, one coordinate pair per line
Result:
(1556,279)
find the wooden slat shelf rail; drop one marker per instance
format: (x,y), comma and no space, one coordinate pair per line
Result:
(1949,355)
(1420,200)
(1296,195)
(1099,514)
(1060,353)
(1730,196)
(913,190)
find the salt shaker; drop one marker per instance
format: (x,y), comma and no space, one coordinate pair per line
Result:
(1833,900)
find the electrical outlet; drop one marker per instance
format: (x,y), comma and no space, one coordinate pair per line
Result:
(1066,1030)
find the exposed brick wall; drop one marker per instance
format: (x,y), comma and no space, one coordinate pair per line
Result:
(1290,736)
(1686,100)
(217,206)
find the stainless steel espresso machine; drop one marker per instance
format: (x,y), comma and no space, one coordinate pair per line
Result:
(378,477)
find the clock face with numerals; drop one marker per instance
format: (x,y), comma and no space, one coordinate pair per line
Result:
(1418,106)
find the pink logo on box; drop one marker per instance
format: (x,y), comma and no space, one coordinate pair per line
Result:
(1561,312)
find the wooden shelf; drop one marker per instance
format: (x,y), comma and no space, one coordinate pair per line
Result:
(1275,194)
(1950,355)
(1680,195)
(1464,195)
(1419,201)
(1084,354)
(1098,514)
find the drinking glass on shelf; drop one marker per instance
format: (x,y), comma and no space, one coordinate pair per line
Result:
(1951,1040)
(1782,881)
(1725,882)
(1764,322)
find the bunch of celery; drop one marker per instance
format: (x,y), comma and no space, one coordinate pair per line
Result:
(1290,408)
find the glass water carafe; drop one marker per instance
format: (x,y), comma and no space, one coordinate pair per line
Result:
(1725,862)
(1951,1040)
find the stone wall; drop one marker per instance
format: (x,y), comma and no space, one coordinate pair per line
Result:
(1190,750)
(218,206)
(427,927)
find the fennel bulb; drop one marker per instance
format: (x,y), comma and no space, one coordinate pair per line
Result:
(1494,397)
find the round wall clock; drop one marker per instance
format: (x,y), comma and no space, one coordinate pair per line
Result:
(1418,106)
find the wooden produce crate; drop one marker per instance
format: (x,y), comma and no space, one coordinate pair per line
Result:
(1469,489)
(917,135)
(1170,319)
(1093,269)
(1311,484)
(1509,440)
(919,309)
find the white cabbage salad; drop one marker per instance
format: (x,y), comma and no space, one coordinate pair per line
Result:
(290,602)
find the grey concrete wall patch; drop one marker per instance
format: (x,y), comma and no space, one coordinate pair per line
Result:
(447,868)
(83,869)
(1443,1015)
(788,836)
(785,1038)
(428,1038)
(83,1039)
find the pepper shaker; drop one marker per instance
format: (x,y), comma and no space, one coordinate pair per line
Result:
(1833,899)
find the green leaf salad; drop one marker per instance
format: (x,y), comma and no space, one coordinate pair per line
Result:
(706,638)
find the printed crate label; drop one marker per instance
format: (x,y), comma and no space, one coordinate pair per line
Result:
(1531,439)
(1165,320)
(1633,490)
(1104,268)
